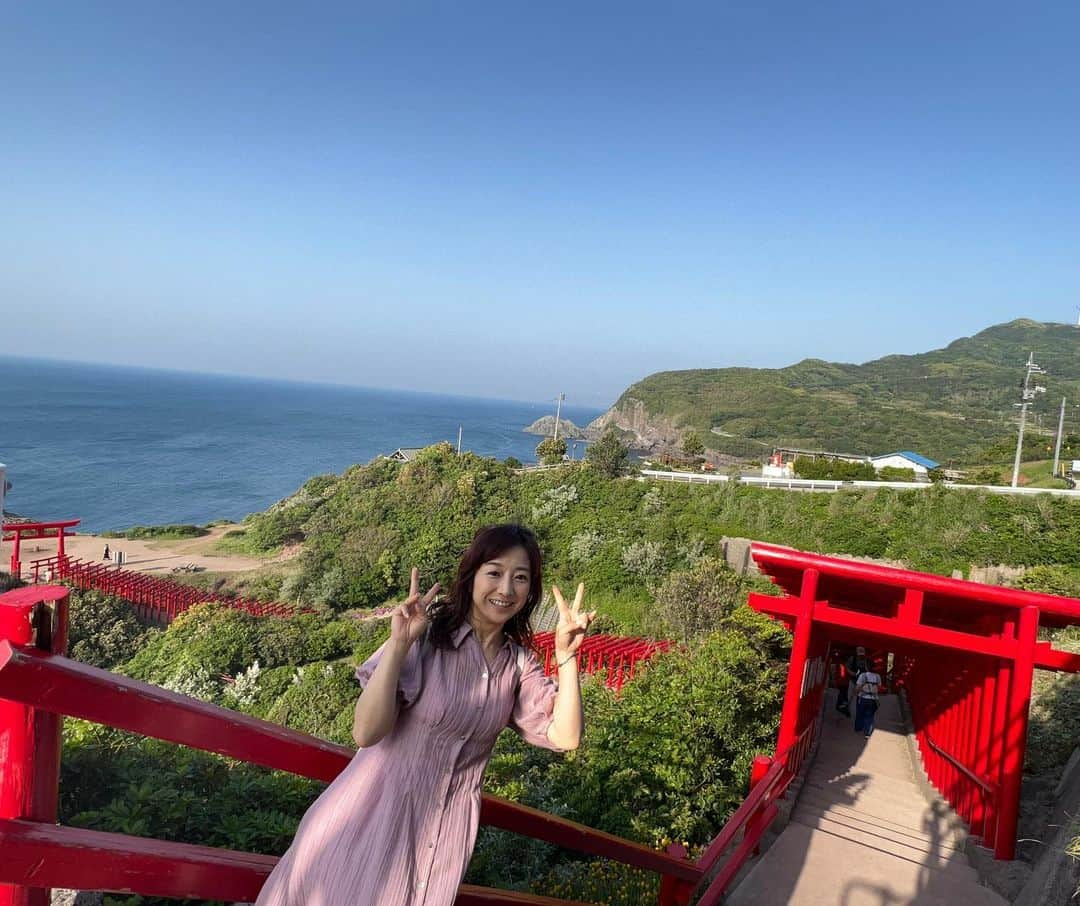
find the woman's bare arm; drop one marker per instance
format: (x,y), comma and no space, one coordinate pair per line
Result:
(568,717)
(377,709)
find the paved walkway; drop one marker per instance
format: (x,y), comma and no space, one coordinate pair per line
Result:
(863,834)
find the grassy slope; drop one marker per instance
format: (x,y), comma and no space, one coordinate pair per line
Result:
(943,403)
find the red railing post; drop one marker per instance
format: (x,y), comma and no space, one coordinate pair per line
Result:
(35,616)
(674,891)
(997,741)
(1016,729)
(758,769)
(986,740)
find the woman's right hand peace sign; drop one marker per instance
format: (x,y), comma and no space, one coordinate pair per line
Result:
(410,619)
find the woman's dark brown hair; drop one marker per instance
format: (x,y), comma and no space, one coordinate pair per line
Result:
(488,544)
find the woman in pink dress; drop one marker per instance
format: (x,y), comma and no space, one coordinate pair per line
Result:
(397,826)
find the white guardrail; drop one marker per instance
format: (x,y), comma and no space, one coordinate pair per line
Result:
(809,484)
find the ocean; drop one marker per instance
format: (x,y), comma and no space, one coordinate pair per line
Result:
(118,447)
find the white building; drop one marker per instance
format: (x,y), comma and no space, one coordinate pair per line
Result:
(905,459)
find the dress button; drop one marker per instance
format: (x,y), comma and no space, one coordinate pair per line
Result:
(484,675)
(462,735)
(420,885)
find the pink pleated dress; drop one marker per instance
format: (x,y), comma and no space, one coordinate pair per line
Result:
(397,826)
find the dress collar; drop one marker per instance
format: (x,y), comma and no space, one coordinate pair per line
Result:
(459,634)
(464,629)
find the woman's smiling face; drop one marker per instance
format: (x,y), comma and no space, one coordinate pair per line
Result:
(501,587)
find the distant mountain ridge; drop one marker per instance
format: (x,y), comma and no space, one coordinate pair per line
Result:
(945,403)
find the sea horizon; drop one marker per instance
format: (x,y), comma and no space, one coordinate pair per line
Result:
(228,375)
(120,445)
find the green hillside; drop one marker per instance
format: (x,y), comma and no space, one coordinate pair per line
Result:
(946,404)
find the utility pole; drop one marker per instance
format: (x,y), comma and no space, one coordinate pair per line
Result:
(558,412)
(459,440)
(1026,396)
(1057,443)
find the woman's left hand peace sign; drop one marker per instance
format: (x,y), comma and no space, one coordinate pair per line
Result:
(573,622)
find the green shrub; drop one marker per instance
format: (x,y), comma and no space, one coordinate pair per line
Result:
(833,470)
(670,758)
(103,631)
(119,782)
(603,882)
(895,473)
(319,700)
(162,532)
(1053,580)
(551,451)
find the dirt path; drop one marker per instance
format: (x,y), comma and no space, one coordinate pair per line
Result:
(151,555)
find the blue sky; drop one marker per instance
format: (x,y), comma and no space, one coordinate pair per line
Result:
(513,199)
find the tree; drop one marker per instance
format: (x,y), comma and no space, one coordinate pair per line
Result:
(609,454)
(699,600)
(692,444)
(551,451)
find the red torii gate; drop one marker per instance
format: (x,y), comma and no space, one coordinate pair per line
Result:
(964,654)
(17,531)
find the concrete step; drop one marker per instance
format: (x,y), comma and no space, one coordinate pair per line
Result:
(871,793)
(928,851)
(889,758)
(812,867)
(940,829)
(916,852)
(926,821)
(855,782)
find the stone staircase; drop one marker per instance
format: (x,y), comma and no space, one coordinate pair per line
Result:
(863,833)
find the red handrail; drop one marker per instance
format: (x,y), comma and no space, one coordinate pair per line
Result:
(988,788)
(754,816)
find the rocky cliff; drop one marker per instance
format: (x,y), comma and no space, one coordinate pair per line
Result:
(546,427)
(642,430)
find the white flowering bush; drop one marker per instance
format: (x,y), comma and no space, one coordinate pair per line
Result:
(194,682)
(653,501)
(555,502)
(245,688)
(644,559)
(584,545)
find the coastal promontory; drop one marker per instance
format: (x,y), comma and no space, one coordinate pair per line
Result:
(545,427)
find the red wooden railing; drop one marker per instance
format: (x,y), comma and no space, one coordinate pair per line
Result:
(156,600)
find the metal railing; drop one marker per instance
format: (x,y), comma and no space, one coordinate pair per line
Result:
(830,485)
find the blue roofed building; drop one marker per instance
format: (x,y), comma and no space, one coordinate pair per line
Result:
(905,459)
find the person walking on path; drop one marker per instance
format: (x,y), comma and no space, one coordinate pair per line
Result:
(856,664)
(398,825)
(866,685)
(106,555)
